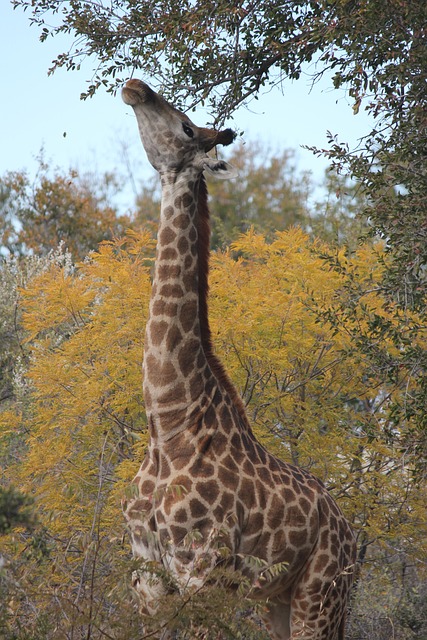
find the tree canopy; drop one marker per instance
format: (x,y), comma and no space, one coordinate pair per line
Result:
(224,53)
(57,207)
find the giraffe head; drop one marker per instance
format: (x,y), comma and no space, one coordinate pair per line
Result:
(171,140)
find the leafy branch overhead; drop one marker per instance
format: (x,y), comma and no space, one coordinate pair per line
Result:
(225,53)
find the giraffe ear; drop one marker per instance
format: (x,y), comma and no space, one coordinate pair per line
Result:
(219,169)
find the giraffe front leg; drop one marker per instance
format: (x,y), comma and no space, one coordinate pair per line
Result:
(149,584)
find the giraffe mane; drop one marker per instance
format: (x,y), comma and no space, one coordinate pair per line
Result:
(204,232)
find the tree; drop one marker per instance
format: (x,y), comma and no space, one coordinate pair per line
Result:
(75,436)
(63,207)
(226,53)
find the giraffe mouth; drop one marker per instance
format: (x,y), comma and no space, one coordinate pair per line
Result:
(136,91)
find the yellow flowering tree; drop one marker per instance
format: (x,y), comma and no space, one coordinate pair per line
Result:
(283,322)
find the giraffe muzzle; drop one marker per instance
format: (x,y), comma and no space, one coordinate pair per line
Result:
(136,91)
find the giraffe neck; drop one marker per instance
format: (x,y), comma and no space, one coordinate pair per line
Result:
(174,361)
(180,368)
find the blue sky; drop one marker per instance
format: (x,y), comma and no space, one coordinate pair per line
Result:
(38,110)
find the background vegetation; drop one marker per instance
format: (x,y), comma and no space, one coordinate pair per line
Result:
(318,310)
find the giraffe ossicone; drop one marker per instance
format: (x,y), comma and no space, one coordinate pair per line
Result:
(204,471)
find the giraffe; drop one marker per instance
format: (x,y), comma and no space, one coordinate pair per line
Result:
(204,470)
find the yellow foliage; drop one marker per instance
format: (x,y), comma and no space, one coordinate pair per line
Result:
(310,395)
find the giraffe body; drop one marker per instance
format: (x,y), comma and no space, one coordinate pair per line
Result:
(204,470)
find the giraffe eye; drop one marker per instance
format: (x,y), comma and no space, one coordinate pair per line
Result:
(188,130)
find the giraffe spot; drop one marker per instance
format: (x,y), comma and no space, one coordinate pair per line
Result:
(178,533)
(321,562)
(173,338)
(261,495)
(308,493)
(137,509)
(314,520)
(230,465)
(305,505)
(220,441)
(239,455)
(163,307)
(208,490)
(294,516)
(298,538)
(160,517)
(184,482)
(248,467)
(201,359)
(181,515)
(183,246)
(265,476)
(279,541)
(227,501)
(157,331)
(334,538)
(225,416)
(324,539)
(168,212)
(187,199)
(164,468)
(181,461)
(247,493)
(255,524)
(186,357)
(167,236)
(147,487)
(210,381)
(264,541)
(188,314)
(217,399)
(236,441)
(210,419)
(276,513)
(177,202)
(204,444)
(181,221)
(229,479)
(316,586)
(168,271)
(192,235)
(188,262)
(301,604)
(331,571)
(298,476)
(296,486)
(262,454)
(197,508)
(189,280)
(159,375)
(171,291)
(173,395)
(184,556)
(201,469)
(196,388)
(169,253)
